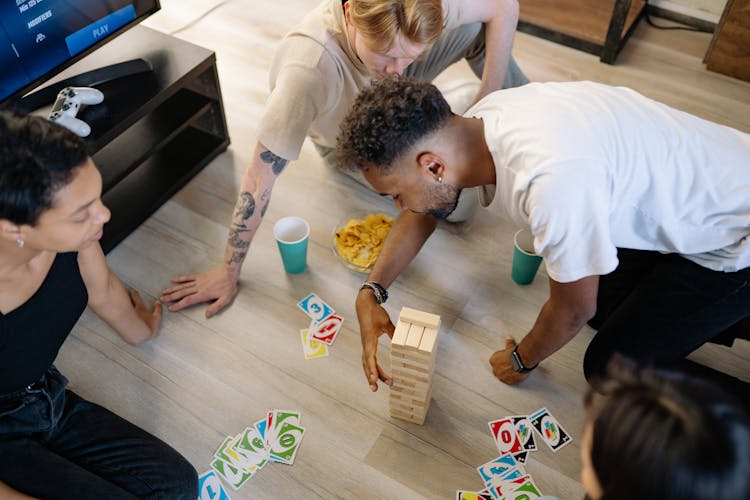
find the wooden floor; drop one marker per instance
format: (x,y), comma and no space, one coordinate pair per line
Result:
(201,380)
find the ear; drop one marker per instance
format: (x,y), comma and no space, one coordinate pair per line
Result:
(9,231)
(346,12)
(432,165)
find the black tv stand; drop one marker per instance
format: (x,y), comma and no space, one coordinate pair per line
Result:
(155,129)
(47,95)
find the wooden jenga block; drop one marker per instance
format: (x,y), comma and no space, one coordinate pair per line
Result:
(413,364)
(429,337)
(415,317)
(415,336)
(400,333)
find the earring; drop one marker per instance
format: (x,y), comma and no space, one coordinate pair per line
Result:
(20,242)
(440,178)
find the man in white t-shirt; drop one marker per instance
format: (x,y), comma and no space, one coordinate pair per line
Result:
(641,211)
(317,71)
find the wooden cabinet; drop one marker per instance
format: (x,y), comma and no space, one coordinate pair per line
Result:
(729,52)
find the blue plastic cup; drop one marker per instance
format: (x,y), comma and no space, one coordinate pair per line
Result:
(525,261)
(291,235)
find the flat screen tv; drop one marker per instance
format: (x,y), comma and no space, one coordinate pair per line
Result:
(40,38)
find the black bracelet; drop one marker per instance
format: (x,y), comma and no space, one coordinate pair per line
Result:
(380,293)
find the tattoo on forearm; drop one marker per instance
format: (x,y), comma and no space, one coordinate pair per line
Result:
(277,163)
(263,210)
(245,208)
(235,240)
(236,257)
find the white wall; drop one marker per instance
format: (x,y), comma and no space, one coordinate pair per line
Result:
(708,10)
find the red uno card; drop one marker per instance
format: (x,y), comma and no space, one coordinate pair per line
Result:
(326,329)
(506,437)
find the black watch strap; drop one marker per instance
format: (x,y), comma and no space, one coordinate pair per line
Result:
(381,295)
(518,364)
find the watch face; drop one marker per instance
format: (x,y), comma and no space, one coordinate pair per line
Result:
(515,362)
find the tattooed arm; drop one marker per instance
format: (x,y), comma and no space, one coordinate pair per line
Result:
(219,285)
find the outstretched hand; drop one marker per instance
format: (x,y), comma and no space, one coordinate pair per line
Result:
(218,286)
(373,322)
(501,367)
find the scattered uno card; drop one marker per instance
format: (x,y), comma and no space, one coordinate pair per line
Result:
(285,436)
(524,432)
(497,467)
(231,474)
(549,429)
(312,348)
(210,487)
(275,438)
(472,495)
(314,307)
(506,438)
(325,331)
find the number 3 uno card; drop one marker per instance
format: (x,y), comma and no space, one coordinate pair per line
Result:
(315,307)
(549,429)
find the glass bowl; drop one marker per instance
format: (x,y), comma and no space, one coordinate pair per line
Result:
(362,234)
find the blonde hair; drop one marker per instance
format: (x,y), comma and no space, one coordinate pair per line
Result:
(421,21)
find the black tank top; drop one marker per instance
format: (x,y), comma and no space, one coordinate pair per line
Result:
(31,334)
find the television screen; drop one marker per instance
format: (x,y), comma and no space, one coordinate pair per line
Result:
(39,38)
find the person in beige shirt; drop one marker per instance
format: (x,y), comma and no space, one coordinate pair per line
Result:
(318,70)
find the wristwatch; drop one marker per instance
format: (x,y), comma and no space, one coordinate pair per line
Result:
(517,363)
(378,290)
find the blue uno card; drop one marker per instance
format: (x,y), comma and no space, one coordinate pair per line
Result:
(315,307)
(210,487)
(497,467)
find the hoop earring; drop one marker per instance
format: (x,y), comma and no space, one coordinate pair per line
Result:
(20,242)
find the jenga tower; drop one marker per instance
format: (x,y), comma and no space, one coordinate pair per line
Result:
(413,350)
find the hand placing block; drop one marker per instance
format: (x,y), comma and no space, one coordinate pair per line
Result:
(413,350)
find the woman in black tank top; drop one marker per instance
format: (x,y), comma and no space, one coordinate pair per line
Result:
(51,268)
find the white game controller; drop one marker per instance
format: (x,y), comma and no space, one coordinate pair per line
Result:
(67,104)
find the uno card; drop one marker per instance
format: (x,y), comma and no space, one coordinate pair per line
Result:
(505,489)
(260,426)
(497,467)
(252,447)
(210,487)
(312,348)
(549,429)
(326,330)
(521,457)
(527,490)
(226,454)
(274,420)
(524,432)
(315,307)
(505,435)
(472,495)
(286,444)
(234,476)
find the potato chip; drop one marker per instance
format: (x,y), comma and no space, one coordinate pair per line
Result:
(359,241)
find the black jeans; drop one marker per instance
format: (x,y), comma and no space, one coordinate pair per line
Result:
(656,309)
(54,444)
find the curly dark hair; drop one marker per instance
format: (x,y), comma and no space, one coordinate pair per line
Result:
(665,435)
(37,158)
(388,118)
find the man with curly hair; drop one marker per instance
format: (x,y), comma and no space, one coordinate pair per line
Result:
(640,211)
(317,71)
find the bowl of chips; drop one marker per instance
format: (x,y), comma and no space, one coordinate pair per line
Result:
(358,239)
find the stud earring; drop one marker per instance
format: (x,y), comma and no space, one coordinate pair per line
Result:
(440,178)
(20,242)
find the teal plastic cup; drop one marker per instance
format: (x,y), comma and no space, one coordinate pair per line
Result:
(525,261)
(291,235)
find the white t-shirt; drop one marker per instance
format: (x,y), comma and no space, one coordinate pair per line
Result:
(589,168)
(315,77)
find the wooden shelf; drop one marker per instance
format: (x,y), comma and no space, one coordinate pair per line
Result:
(600,27)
